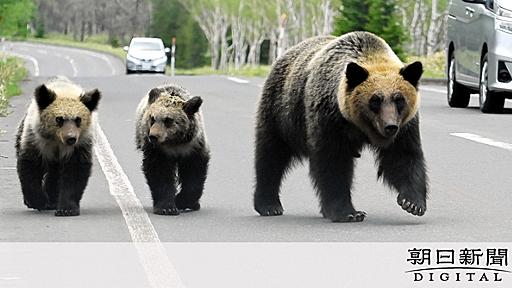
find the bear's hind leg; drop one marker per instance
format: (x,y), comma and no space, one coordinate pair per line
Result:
(30,172)
(332,174)
(73,178)
(160,172)
(192,172)
(273,158)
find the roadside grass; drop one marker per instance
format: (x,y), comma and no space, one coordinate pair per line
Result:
(245,71)
(434,65)
(12,72)
(96,43)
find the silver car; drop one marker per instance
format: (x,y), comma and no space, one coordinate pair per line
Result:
(146,54)
(479,53)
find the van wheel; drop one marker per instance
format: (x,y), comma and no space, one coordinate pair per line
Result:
(490,101)
(458,95)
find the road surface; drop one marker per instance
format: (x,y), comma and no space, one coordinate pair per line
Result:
(470,182)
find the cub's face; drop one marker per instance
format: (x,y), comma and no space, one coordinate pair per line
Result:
(65,118)
(171,120)
(381,100)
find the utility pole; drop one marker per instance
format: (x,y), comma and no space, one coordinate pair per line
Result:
(173,59)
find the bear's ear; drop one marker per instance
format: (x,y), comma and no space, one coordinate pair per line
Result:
(412,73)
(153,95)
(355,75)
(192,105)
(91,99)
(44,97)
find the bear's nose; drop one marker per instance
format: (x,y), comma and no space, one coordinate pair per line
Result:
(391,130)
(153,139)
(71,140)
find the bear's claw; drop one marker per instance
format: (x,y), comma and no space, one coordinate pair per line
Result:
(67,212)
(411,206)
(270,210)
(173,211)
(356,216)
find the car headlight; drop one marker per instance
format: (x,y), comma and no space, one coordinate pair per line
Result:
(504,12)
(160,60)
(131,58)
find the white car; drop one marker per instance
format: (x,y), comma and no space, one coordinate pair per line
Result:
(146,55)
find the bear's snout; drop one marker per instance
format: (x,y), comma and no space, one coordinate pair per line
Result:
(69,133)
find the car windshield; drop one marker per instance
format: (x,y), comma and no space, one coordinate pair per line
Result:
(148,46)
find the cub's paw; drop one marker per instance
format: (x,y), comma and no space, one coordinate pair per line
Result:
(269,210)
(343,216)
(168,211)
(67,212)
(36,203)
(183,204)
(49,206)
(412,205)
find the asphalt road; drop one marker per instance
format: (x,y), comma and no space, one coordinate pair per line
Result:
(470,183)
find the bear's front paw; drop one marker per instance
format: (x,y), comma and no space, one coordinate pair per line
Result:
(412,204)
(344,216)
(173,211)
(38,203)
(183,204)
(67,212)
(275,209)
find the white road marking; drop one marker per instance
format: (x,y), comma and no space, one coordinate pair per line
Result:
(483,140)
(78,50)
(72,62)
(7,168)
(431,89)
(237,80)
(159,269)
(9,278)
(29,58)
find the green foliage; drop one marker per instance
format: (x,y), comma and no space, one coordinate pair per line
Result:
(170,19)
(434,65)
(377,16)
(246,71)
(14,17)
(11,73)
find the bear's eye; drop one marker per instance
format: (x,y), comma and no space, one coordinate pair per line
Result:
(375,103)
(400,104)
(152,120)
(168,122)
(78,121)
(59,120)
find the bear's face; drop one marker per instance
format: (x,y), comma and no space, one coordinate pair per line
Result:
(381,99)
(170,119)
(64,118)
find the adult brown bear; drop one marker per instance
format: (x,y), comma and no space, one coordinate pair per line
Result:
(327,98)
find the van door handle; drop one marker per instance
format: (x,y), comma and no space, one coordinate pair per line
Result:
(470,10)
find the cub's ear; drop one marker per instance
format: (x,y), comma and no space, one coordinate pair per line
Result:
(355,74)
(192,105)
(91,99)
(44,97)
(153,95)
(412,73)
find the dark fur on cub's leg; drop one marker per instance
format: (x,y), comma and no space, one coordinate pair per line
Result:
(74,175)
(192,172)
(30,172)
(51,184)
(402,166)
(160,172)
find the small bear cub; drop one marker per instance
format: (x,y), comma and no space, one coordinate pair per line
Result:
(170,133)
(54,146)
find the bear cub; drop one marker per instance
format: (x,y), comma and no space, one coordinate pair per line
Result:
(54,146)
(324,100)
(170,133)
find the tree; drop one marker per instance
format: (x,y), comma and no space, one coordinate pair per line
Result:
(380,17)
(170,19)
(15,15)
